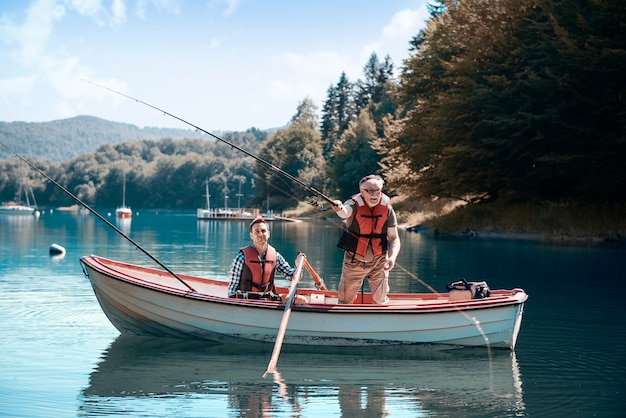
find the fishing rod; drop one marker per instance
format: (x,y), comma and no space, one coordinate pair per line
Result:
(34,167)
(249,154)
(267,164)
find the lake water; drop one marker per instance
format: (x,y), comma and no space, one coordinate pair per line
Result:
(60,356)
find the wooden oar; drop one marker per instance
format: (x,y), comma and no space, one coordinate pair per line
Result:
(271,367)
(319,282)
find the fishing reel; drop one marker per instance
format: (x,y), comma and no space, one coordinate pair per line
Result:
(314,202)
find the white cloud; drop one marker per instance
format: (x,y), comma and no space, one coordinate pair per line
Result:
(405,24)
(306,75)
(169,6)
(231,7)
(396,35)
(43,65)
(119,13)
(16,91)
(33,35)
(91,8)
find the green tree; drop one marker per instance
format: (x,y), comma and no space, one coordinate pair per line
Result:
(296,150)
(353,156)
(374,84)
(338,111)
(499,95)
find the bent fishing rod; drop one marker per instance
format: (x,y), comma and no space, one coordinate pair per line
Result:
(51,180)
(249,154)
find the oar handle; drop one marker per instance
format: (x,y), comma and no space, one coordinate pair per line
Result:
(319,282)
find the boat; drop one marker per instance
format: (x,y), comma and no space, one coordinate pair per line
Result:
(19,207)
(240,214)
(124,212)
(223,214)
(14,208)
(150,301)
(226,214)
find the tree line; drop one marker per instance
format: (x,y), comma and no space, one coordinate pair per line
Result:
(510,101)
(161,173)
(498,100)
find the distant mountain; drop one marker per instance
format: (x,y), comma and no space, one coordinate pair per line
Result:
(63,139)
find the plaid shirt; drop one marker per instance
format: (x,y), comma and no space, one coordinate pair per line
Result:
(240,260)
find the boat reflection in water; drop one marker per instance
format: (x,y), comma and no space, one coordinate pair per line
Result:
(144,376)
(124,224)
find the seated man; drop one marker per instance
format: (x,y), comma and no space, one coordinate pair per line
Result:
(254,267)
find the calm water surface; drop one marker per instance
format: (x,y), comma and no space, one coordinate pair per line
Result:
(60,357)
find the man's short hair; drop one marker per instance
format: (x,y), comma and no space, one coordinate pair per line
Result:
(257,220)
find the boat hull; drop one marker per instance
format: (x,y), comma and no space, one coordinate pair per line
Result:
(17,209)
(123,213)
(144,301)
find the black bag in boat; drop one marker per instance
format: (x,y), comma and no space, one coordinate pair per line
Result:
(461,289)
(257,295)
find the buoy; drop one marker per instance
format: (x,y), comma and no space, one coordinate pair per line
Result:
(56,249)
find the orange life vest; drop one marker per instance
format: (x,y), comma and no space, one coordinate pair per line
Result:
(367,227)
(258,275)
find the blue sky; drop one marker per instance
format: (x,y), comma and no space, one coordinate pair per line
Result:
(223,65)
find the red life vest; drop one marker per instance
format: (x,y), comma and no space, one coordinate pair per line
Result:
(367,227)
(257,275)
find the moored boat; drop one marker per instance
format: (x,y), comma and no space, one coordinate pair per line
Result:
(148,301)
(223,214)
(19,207)
(124,212)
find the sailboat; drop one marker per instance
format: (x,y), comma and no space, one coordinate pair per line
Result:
(19,207)
(123,212)
(205,213)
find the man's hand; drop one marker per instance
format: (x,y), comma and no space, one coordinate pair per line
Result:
(339,209)
(389,264)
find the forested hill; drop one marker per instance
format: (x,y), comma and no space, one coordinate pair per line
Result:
(63,139)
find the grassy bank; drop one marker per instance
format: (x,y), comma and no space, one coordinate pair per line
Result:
(542,221)
(567,222)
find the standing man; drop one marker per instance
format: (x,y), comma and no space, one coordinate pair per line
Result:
(370,241)
(254,267)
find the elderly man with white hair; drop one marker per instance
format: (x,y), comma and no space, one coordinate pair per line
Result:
(370,241)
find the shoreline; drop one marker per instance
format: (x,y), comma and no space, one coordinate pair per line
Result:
(566,223)
(614,238)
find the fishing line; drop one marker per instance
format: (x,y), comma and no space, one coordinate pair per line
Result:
(283,173)
(97,214)
(288,192)
(259,159)
(472,319)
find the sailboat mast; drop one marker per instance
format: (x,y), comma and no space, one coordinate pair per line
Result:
(208,196)
(124,190)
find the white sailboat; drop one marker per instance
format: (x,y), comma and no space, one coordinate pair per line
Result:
(19,207)
(123,211)
(205,213)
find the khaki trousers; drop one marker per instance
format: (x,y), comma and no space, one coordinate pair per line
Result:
(353,273)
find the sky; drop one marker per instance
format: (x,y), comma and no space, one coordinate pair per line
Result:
(222,65)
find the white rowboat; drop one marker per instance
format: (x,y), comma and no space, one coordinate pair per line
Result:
(147,301)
